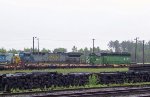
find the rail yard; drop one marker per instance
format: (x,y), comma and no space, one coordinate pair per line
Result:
(37,72)
(50,81)
(39,81)
(74,48)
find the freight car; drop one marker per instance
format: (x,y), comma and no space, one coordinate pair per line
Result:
(110,58)
(40,57)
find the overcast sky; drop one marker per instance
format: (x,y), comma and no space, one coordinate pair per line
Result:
(65,23)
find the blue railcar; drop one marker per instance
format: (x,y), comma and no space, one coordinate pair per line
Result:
(3,59)
(9,57)
(40,57)
(26,57)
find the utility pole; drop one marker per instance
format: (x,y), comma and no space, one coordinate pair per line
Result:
(93,45)
(38,46)
(33,44)
(136,39)
(143,53)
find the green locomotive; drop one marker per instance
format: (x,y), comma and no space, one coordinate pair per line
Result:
(110,58)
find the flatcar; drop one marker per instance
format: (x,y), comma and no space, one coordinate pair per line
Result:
(110,58)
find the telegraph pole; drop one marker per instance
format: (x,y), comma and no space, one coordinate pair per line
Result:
(136,39)
(143,53)
(93,45)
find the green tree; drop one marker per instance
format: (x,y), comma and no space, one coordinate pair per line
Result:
(81,50)
(115,45)
(97,49)
(3,50)
(14,51)
(60,50)
(45,50)
(27,50)
(129,46)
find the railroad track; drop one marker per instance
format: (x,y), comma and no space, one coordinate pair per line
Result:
(106,93)
(56,67)
(91,92)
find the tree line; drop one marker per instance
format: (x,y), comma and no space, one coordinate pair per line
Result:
(74,49)
(129,46)
(114,46)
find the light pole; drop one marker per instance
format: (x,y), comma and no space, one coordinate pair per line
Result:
(33,44)
(143,53)
(93,45)
(38,46)
(136,39)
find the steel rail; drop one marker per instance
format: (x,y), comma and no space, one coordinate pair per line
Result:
(99,93)
(82,92)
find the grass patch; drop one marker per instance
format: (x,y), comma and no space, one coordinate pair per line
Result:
(83,87)
(68,70)
(93,80)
